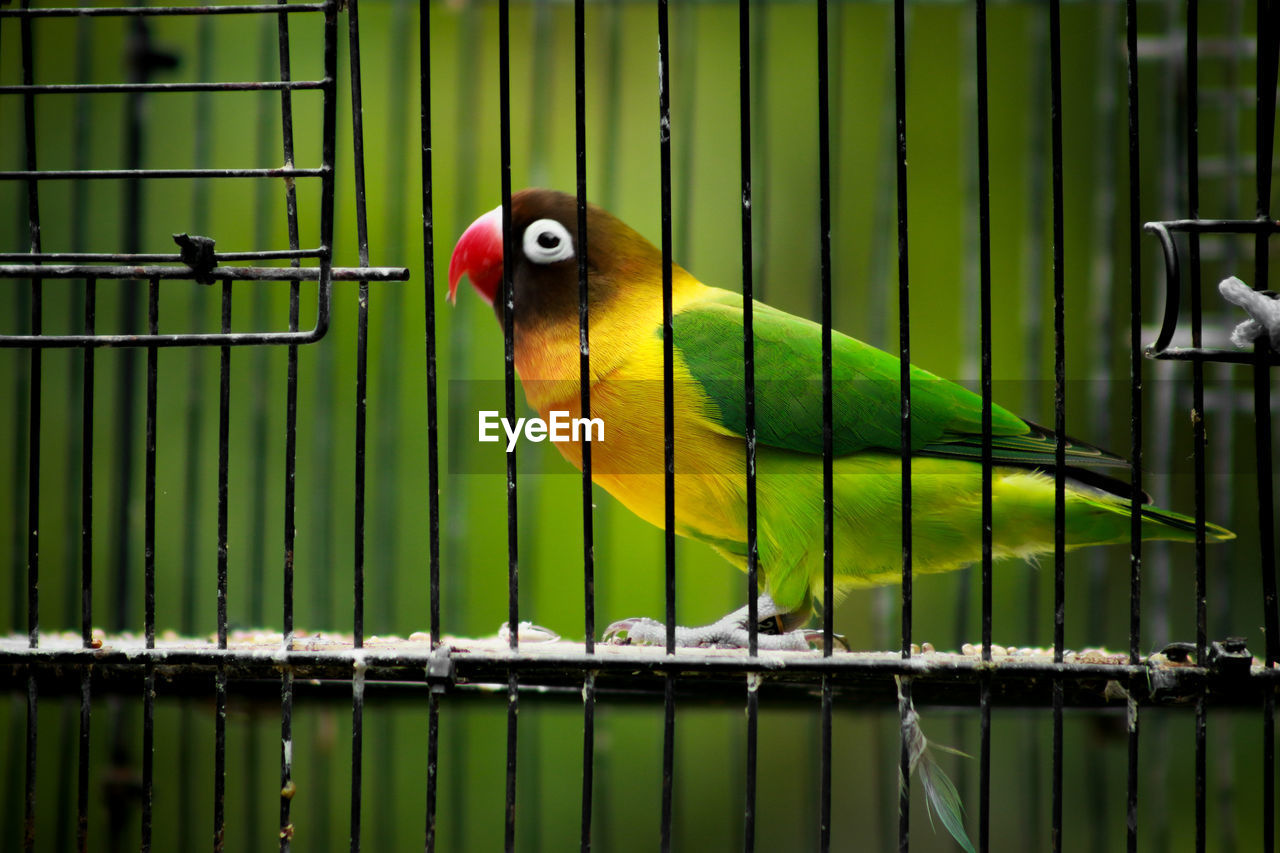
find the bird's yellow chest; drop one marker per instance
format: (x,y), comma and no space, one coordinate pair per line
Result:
(628,449)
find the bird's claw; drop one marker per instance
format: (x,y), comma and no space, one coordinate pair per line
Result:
(640,630)
(815,640)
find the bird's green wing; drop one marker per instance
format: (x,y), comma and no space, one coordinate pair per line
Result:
(946,419)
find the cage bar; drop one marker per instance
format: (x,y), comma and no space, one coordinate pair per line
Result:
(362,375)
(984,298)
(433,441)
(149,567)
(1265,130)
(904,382)
(668,423)
(108,88)
(828,438)
(1135,412)
(749,395)
(508,343)
(165,11)
(290,454)
(584,399)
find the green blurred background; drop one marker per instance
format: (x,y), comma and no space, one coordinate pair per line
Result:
(243,129)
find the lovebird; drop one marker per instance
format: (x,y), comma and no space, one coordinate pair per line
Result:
(626,345)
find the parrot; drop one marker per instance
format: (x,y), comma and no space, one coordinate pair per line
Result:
(625,303)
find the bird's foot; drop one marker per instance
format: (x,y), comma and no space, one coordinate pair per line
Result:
(729,632)
(724,634)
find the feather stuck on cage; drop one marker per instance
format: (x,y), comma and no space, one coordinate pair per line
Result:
(940,794)
(1263,307)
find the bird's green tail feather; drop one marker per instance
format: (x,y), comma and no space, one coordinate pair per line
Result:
(1179,527)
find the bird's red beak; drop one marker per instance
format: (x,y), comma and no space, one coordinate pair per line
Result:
(479,255)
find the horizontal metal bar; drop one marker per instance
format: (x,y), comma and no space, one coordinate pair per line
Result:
(1249,49)
(869,676)
(185,273)
(1220,226)
(230,86)
(242,339)
(1224,356)
(148,11)
(116,174)
(169,258)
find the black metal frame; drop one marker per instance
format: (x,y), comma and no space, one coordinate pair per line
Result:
(1217,675)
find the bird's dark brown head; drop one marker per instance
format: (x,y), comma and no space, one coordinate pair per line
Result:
(544,238)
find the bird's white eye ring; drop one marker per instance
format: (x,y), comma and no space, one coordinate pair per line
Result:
(547,241)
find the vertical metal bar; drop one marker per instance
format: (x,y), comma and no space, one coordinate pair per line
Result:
(287,786)
(86,564)
(588,757)
(220,679)
(82,776)
(1267,48)
(760,146)
(584,385)
(433,439)
(904,312)
(1059,408)
(324,364)
(1266,109)
(824,782)
(1059,330)
(75,446)
(362,317)
(433,763)
(37,321)
(224,442)
(33,437)
(429,292)
(149,567)
(29,819)
(362,362)
(668,421)
(1135,406)
(290,453)
(508,340)
(508,318)
(904,379)
(828,418)
(357,751)
(1135,330)
(1197,405)
(824,268)
(433,436)
(984,310)
(749,379)
(668,338)
(149,476)
(328,143)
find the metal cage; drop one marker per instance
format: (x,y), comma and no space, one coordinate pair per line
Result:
(439,676)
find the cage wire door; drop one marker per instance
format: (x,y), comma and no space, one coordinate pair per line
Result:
(929,157)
